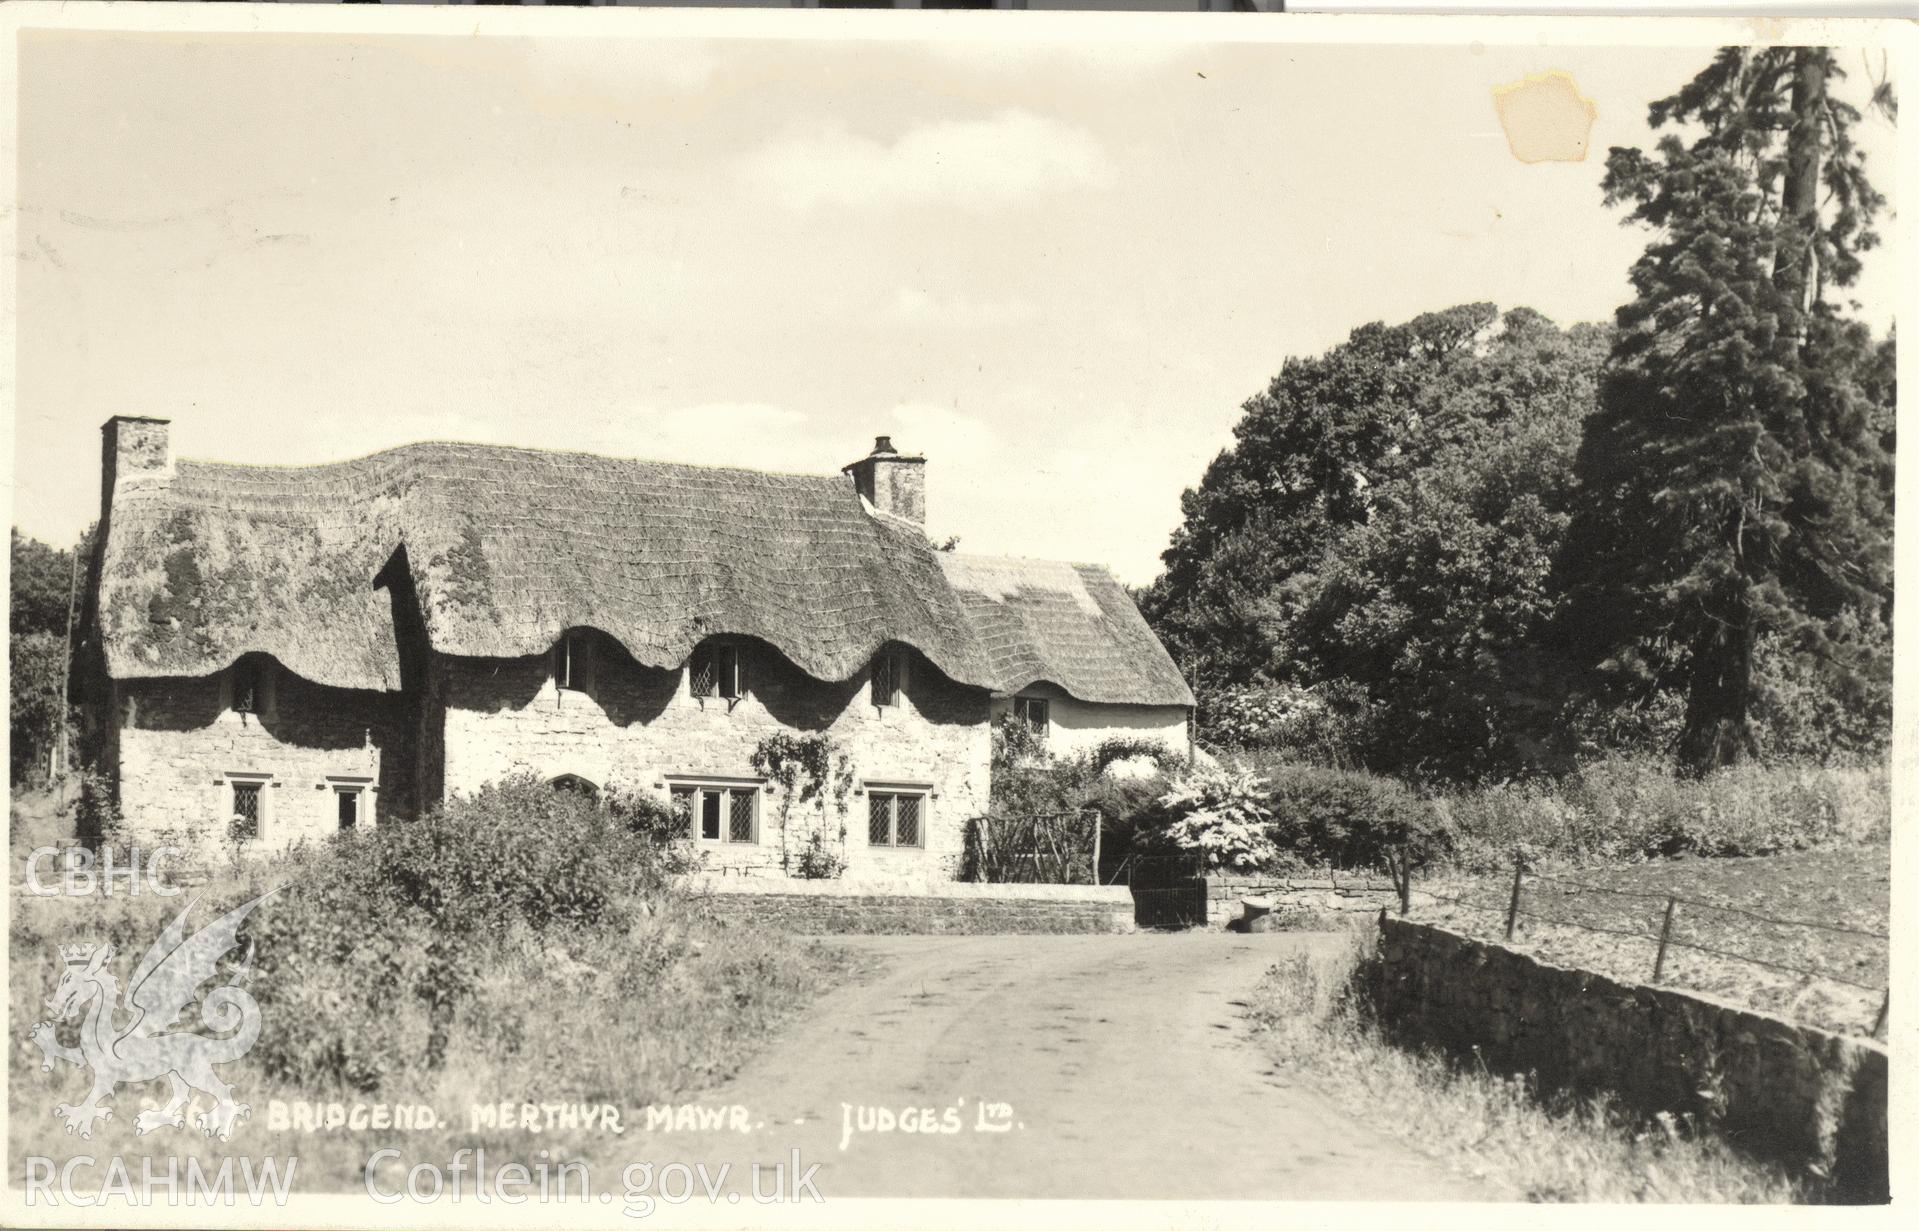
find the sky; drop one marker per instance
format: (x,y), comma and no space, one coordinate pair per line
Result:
(1057,270)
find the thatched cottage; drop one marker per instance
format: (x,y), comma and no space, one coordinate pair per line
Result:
(283,651)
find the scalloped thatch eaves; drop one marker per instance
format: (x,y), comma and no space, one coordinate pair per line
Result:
(510,547)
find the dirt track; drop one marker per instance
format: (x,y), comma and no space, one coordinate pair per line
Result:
(1124,1060)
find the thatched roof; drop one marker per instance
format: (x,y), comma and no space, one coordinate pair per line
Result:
(1072,625)
(510,547)
(223,560)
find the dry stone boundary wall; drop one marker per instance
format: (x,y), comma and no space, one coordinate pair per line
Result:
(1777,1090)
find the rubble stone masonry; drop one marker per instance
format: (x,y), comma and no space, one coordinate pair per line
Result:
(179,739)
(639,729)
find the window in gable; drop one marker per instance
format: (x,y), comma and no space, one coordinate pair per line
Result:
(715,670)
(1033,711)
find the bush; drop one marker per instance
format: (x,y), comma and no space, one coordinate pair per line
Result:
(1347,819)
(817,862)
(1220,811)
(383,932)
(1165,758)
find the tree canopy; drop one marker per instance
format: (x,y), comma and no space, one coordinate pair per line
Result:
(1487,545)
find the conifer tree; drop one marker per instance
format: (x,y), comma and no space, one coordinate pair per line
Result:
(1733,480)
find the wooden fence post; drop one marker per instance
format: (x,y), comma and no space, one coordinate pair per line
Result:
(1096,828)
(1665,938)
(1512,908)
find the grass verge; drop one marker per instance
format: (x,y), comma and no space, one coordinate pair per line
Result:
(518,948)
(1491,1127)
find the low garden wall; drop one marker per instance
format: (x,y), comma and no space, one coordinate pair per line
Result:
(1796,1094)
(921,907)
(1316,894)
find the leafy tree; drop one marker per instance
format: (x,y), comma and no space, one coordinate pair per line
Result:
(1736,478)
(34,707)
(40,586)
(1308,452)
(1433,608)
(1382,534)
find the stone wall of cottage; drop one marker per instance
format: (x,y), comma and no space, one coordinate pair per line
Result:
(636,728)
(1075,726)
(179,739)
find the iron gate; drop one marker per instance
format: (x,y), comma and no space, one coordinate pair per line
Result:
(1169,891)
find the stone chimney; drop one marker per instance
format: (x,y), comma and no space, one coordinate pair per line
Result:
(134,452)
(891,481)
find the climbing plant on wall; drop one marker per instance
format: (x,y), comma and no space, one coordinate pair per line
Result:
(814,778)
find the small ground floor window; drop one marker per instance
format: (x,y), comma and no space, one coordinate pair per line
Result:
(248,806)
(350,801)
(895,818)
(716,813)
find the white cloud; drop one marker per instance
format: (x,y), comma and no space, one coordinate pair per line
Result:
(956,440)
(973,164)
(912,306)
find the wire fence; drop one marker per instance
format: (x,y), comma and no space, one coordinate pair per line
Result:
(1671,923)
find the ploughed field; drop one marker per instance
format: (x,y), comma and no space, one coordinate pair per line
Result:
(1731,911)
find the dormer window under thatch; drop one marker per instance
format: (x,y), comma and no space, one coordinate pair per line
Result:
(573,662)
(249,687)
(889,676)
(716,670)
(246,688)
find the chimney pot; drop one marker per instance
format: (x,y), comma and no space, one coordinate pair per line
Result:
(890,481)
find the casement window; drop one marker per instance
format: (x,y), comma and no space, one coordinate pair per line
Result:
(1033,711)
(718,813)
(350,801)
(896,818)
(716,670)
(573,662)
(889,678)
(248,800)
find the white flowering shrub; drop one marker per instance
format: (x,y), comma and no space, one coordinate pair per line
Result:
(1220,811)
